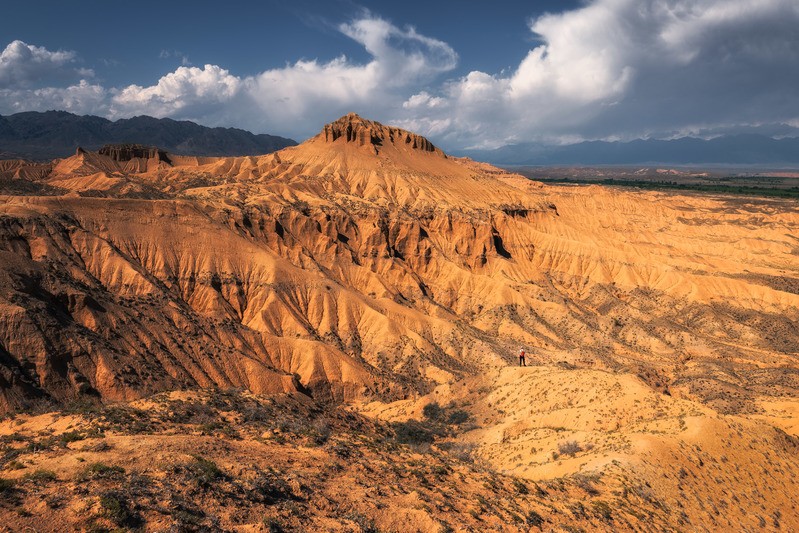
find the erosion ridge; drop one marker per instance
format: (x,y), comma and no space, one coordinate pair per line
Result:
(350,268)
(365,266)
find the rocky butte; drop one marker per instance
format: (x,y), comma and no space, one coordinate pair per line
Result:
(223,318)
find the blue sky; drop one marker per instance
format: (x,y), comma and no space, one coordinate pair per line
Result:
(465,73)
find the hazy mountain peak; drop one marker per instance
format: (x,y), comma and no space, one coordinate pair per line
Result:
(55,134)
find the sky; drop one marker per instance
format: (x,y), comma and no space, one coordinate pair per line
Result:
(466,73)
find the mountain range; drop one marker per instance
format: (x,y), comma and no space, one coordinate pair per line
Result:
(727,150)
(55,134)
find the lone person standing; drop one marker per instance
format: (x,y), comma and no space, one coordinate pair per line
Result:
(521,358)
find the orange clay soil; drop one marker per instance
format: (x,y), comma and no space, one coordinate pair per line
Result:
(367,268)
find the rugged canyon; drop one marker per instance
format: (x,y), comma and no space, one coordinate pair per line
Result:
(368,272)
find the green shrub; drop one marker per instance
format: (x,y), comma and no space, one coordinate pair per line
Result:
(101,471)
(41,476)
(115,507)
(602,510)
(15,465)
(71,436)
(203,472)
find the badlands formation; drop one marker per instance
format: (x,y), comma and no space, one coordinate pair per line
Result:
(366,275)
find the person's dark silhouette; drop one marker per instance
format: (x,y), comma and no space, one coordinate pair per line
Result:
(521,358)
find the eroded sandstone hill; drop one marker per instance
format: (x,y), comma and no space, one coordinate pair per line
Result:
(365,263)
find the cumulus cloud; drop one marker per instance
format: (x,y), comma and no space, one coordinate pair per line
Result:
(187,92)
(292,99)
(81,98)
(24,66)
(423,100)
(401,59)
(295,99)
(630,68)
(610,69)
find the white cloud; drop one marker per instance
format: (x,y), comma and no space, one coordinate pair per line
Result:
(614,69)
(187,92)
(169,54)
(292,100)
(628,68)
(81,98)
(423,100)
(26,66)
(401,60)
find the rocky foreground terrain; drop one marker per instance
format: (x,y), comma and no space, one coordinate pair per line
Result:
(324,338)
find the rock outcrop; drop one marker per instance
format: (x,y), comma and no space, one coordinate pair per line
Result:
(352,128)
(127,152)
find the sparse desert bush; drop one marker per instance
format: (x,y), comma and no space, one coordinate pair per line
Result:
(255,413)
(520,486)
(569,447)
(219,428)
(586,483)
(71,436)
(577,509)
(101,471)
(602,510)
(439,470)
(446,528)
(413,432)
(55,501)
(274,525)
(114,506)
(13,437)
(203,472)
(534,519)
(460,450)
(433,411)
(187,516)
(40,476)
(458,416)
(343,450)
(320,431)
(101,446)
(191,413)
(127,419)
(14,465)
(271,487)
(6,485)
(366,524)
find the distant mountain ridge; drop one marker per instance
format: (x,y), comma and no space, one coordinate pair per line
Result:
(56,134)
(743,149)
